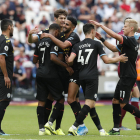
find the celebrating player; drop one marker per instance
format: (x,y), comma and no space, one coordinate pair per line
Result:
(59,17)
(71,38)
(128,74)
(48,80)
(85,53)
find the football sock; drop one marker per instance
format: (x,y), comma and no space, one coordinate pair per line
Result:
(135,102)
(123,112)
(3,106)
(40,116)
(82,115)
(75,108)
(116,115)
(56,111)
(48,108)
(59,118)
(132,109)
(79,105)
(95,118)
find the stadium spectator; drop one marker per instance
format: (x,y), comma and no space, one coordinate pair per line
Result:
(4,13)
(109,10)
(21,23)
(101,10)
(117,25)
(19,76)
(115,4)
(83,14)
(21,57)
(125,6)
(44,21)
(138,5)
(61,4)
(17,45)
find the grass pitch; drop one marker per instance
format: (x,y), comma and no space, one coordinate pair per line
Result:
(21,122)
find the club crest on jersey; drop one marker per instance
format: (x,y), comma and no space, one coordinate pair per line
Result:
(6,48)
(95,96)
(56,48)
(8,95)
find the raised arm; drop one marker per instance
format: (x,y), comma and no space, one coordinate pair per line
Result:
(106,43)
(31,38)
(108,31)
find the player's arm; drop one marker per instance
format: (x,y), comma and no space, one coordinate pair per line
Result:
(106,43)
(31,38)
(4,71)
(121,58)
(57,61)
(35,59)
(108,31)
(58,42)
(70,59)
(36,55)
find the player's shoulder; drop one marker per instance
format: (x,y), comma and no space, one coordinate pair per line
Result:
(74,35)
(4,38)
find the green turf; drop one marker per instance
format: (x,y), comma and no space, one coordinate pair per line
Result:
(21,122)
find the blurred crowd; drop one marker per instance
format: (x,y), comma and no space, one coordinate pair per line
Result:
(27,14)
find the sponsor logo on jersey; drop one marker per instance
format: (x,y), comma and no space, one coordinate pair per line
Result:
(7,41)
(6,48)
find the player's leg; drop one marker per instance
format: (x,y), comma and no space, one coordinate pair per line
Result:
(41,96)
(5,98)
(91,93)
(123,112)
(55,87)
(48,108)
(135,102)
(65,82)
(126,84)
(3,106)
(59,119)
(116,110)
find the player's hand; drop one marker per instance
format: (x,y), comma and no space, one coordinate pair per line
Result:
(123,58)
(7,82)
(33,31)
(66,58)
(95,23)
(70,70)
(98,36)
(44,35)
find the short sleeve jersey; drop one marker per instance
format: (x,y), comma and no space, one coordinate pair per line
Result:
(72,39)
(47,68)
(86,57)
(130,47)
(62,37)
(7,50)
